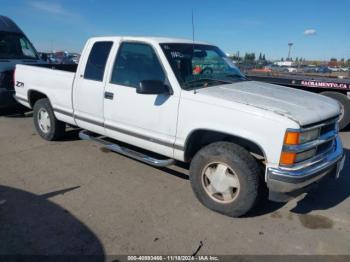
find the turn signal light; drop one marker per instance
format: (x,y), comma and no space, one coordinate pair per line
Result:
(288,158)
(291,138)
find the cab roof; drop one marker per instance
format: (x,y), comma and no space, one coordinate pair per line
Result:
(151,39)
(7,25)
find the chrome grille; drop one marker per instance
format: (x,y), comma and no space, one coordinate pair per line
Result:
(327,128)
(325,147)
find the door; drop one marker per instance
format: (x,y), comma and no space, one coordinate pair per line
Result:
(88,91)
(144,120)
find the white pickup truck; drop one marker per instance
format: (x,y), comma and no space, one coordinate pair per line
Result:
(172,99)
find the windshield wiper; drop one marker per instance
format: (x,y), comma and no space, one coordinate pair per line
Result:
(190,83)
(236,76)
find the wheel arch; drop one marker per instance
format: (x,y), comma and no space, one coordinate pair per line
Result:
(199,138)
(34,95)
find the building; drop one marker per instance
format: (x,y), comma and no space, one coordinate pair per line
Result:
(284,63)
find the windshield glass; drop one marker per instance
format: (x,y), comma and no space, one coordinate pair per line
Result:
(16,46)
(198,66)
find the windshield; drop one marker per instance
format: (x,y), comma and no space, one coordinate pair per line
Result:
(197,66)
(16,46)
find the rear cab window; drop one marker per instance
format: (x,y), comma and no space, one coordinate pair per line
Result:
(96,63)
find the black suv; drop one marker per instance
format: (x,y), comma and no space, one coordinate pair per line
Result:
(15,48)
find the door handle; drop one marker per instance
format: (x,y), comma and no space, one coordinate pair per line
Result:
(109,95)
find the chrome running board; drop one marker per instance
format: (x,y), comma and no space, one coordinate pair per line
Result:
(86,135)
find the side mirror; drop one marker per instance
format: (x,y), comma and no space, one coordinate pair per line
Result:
(152,87)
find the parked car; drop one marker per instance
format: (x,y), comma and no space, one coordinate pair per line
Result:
(75,58)
(292,69)
(64,57)
(309,69)
(277,68)
(14,48)
(153,94)
(323,70)
(334,69)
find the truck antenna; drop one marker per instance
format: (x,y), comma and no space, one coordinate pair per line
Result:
(194,90)
(192,27)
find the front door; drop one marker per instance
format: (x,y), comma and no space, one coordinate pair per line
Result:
(144,120)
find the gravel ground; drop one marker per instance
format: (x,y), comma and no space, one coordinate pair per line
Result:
(74,197)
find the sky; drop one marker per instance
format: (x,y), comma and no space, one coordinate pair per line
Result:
(319,29)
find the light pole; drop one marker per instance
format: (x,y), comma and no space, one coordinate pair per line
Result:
(289,49)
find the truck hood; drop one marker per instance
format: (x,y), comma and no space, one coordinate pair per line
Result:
(301,106)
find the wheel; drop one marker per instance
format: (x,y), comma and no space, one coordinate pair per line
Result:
(225,178)
(45,122)
(344,102)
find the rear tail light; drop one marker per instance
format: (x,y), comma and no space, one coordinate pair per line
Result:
(7,79)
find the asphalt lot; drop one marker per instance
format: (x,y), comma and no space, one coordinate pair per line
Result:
(73,197)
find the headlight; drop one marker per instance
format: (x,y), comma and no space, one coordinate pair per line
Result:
(308,136)
(300,157)
(297,138)
(293,139)
(291,158)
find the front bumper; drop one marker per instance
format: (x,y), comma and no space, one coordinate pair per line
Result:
(6,98)
(282,180)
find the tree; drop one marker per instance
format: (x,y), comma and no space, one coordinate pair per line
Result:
(282,59)
(236,57)
(253,56)
(264,58)
(260,57)
(249,57)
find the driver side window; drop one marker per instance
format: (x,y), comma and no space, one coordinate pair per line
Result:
(136,62)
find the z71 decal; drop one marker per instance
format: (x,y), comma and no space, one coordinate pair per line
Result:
(19,84)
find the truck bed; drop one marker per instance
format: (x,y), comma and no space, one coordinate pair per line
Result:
(48,79)
(62,67)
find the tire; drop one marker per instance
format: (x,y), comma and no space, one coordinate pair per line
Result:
(45,122)
(345,105)
(241,166)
